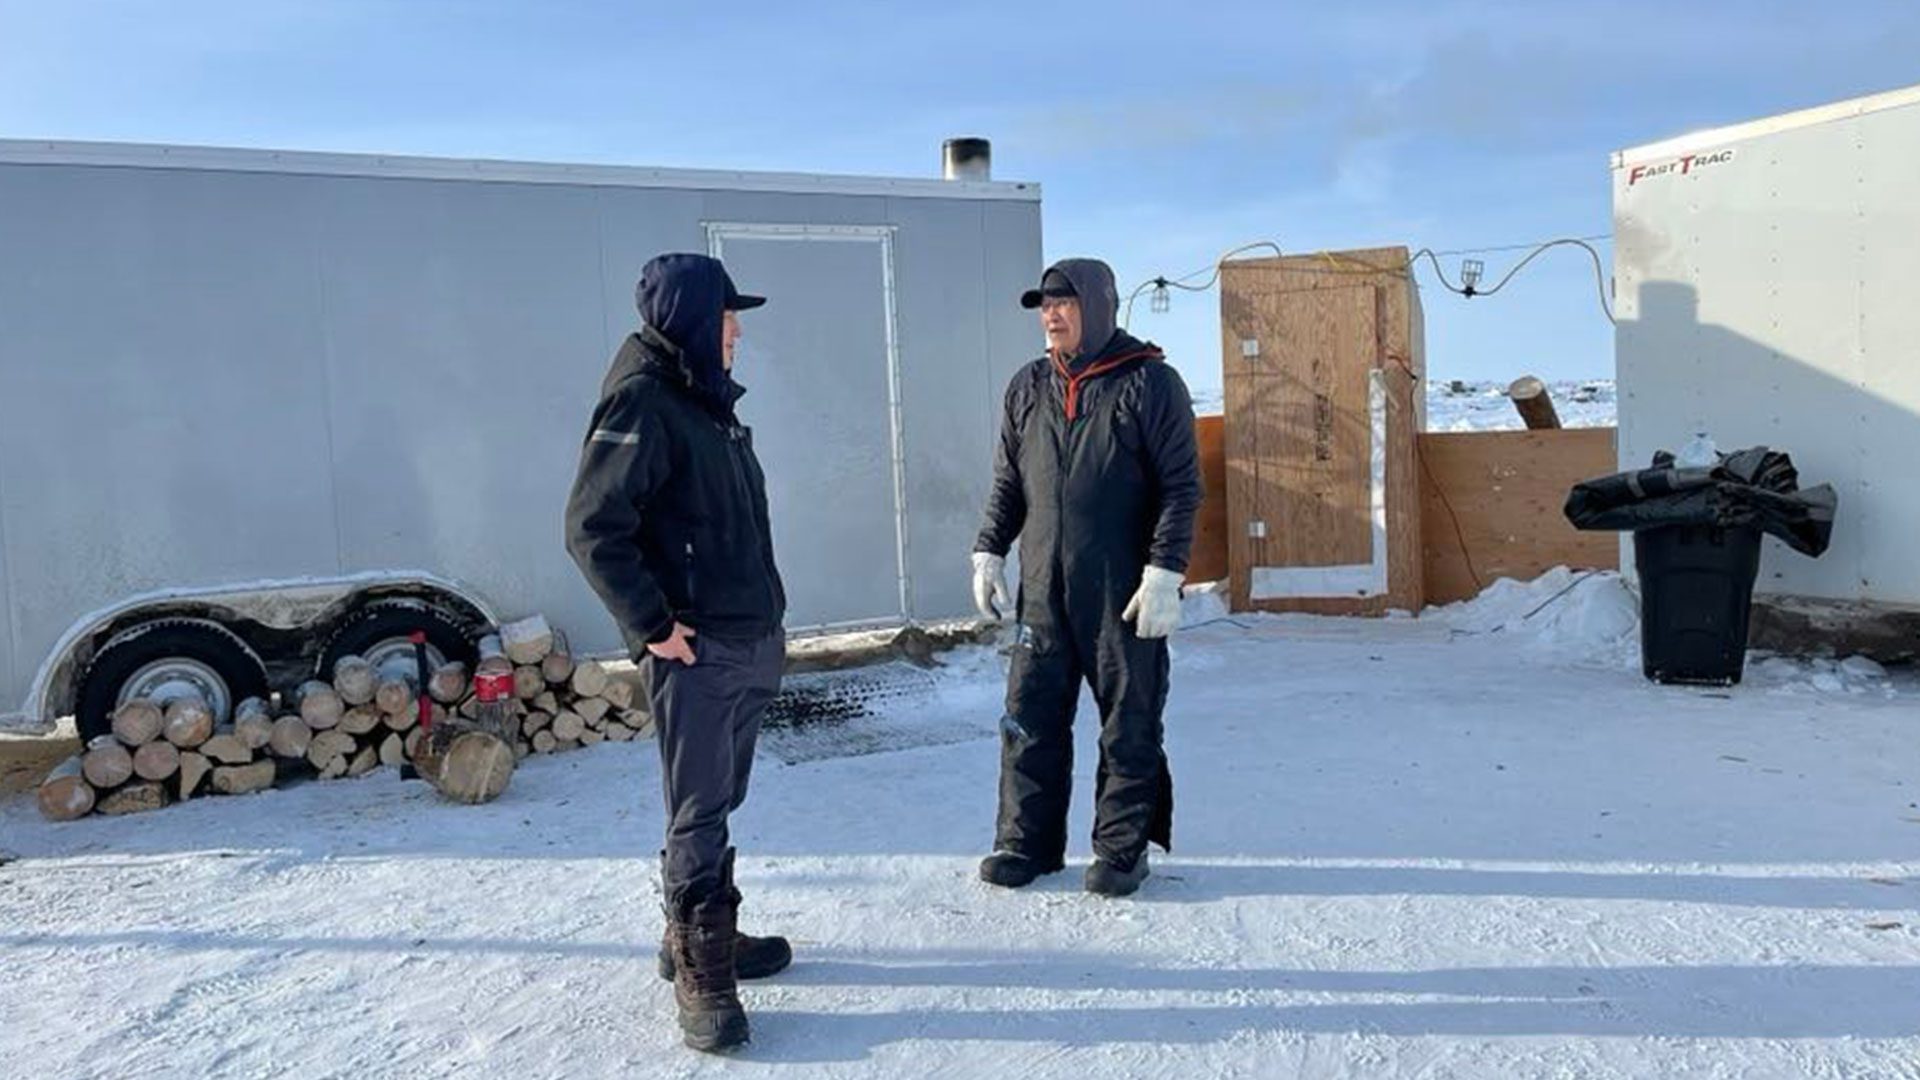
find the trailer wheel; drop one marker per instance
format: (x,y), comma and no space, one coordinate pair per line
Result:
(165,659)
(381,632)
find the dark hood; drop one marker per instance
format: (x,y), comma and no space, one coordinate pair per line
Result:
(1092,282)
(683,298)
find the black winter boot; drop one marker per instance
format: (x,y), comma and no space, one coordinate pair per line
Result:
(700,937)
(1109,879)
(1012,870)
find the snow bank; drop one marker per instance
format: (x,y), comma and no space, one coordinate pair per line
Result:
(1584,614)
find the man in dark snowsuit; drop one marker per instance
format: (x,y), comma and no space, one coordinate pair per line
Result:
(1097,475)
(668,521)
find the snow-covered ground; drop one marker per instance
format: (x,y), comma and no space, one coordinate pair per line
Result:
(1481,406)
(1472,844)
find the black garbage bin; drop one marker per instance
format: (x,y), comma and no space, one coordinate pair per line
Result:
(1696,544)
(1696,600)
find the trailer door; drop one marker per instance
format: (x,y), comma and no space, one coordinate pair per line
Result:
(822,370)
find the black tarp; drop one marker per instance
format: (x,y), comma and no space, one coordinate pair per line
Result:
(1755,488)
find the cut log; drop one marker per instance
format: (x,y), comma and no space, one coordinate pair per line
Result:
(156,761)
(546,702)
(475,768)
(521,749)
(364,762)
(253,723)
(405,719)
(107,763)
(535,721)
(329,747)
(396,693)
(563,745)
(528,682)
(227,748)
(543,742)
(448,684)
(590,737)
(243,779)
(319,704)
(527,641)
(354,680)
(65,794)
(189,722)
(619,693)
(416,739)
(567,726)
(194,770)
(558,665)
(134,798)
(1534,403)
(619,732)
(393,750)
(138,722)
(593,710)
(361,720)
(589,679)
(335,769)
(291,737)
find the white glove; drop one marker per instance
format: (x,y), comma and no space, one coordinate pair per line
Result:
(990,592)
(1155,607)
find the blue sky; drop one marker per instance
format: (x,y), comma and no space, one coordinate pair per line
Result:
(1163,133)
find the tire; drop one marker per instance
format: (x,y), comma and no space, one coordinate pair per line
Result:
(383,627)
(166,653)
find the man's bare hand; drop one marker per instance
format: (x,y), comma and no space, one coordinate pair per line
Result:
(678,647)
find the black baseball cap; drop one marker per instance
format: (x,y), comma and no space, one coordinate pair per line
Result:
(1053,284)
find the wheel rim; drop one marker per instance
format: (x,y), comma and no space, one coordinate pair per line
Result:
(399,650)
(171,678)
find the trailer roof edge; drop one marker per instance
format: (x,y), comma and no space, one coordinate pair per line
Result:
(1821,114)
(400,166)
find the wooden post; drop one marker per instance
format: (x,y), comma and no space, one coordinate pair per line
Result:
(137,722)
(65,794)
(107,763)
(1534,403)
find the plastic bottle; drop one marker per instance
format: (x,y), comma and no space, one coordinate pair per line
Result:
(1699,453)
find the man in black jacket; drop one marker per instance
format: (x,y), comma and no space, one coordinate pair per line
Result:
(1098,477)
(668,521)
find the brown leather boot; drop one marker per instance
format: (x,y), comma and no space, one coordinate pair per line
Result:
(700,937)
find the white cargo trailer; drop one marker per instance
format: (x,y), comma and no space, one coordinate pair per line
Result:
(1766,279)
(261,408)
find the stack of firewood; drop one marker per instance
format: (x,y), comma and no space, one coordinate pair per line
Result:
(364,719)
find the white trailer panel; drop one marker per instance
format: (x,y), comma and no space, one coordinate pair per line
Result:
(1764,278)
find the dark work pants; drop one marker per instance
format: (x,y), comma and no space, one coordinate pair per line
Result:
(707,720)
(1133,789)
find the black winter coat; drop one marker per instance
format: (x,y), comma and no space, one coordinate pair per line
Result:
(668,515)
(1098,475)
